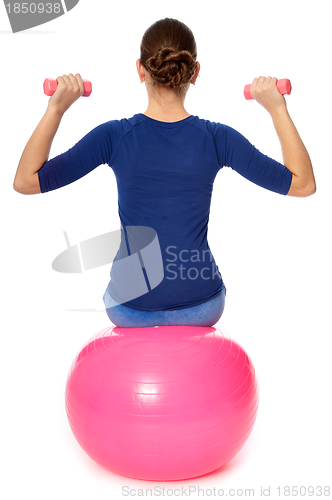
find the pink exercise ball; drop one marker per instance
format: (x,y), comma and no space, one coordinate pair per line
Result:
(161,403)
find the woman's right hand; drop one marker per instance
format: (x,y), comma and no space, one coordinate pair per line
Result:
(69,89)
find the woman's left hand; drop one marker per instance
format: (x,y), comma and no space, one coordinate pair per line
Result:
(266,93)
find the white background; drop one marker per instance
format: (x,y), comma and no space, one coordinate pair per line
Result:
(274,252)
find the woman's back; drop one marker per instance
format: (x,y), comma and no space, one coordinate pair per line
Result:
(165,173)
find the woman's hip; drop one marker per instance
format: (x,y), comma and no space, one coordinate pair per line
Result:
(205,314)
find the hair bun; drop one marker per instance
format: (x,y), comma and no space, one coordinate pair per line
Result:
(171,67)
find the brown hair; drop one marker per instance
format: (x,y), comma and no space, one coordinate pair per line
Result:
(168,52)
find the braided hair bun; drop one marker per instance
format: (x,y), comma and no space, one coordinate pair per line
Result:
(168,53)
(171,67)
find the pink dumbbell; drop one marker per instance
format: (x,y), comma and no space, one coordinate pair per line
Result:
(284,86)
(50,86)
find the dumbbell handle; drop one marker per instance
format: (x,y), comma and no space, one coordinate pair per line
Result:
(50,86)
(284,86)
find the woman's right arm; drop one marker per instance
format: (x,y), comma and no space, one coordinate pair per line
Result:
(37,150)
(36,153)
(295,156)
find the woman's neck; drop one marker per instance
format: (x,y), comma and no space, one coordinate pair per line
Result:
(166,107)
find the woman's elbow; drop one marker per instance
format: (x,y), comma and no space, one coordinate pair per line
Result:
(18,188)
(32,187)
(300,189)
(312,189)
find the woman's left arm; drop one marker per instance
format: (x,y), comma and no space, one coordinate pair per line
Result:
(37,150)
(295,156)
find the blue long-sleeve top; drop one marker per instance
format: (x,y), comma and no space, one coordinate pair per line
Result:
(165,174)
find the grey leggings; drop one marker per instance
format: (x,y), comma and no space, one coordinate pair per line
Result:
(206,314)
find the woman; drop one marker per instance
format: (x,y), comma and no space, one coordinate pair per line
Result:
(165,161)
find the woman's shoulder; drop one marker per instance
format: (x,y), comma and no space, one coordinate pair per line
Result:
(122,126)
(220,129)
(116,128)
(209,127)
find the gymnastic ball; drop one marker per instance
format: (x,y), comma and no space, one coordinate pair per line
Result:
(161,403)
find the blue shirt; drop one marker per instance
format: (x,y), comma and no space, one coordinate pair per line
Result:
(165,174)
